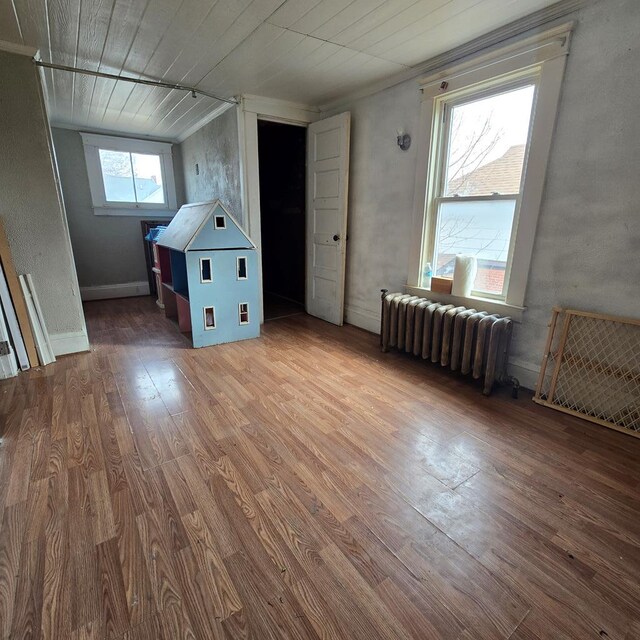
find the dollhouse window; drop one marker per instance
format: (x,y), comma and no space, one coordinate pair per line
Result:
(242,268)
(209,318)
(243,312)
(206,274)
(219,222)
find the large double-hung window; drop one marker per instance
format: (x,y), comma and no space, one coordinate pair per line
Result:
(486,134)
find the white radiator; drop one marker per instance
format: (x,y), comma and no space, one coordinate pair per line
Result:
(471,342)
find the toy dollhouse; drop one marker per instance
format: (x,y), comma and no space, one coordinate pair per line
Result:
(209,275)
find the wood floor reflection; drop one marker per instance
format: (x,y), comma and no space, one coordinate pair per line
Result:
(302,485)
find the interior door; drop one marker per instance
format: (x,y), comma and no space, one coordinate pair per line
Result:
(327,193)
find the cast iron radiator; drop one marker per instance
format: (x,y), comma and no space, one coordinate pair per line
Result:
(471,342)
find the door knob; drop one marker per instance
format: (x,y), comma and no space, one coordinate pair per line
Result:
(336,237)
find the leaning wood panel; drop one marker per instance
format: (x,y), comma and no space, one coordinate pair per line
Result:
(591,368)
(19,304)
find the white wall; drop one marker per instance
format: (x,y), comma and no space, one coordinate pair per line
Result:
(108,250)
(30,203)
(216,150)
(586,247)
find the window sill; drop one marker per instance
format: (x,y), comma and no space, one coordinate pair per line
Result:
(481,304)
(135,212)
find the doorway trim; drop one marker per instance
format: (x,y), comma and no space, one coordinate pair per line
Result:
(251,109)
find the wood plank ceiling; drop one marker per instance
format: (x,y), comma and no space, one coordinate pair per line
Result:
(306,51)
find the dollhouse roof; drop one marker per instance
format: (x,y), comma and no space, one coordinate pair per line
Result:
(192,228)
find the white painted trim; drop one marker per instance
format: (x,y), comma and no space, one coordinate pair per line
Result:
(496,38)
(18,49)
(109,291)
(209,117)
(545,64)
(362,317)
(526,372)
(481,304)
(204,318)
(110,132)
(93,142)
(280,110)
(133,213)
(210,278)
(65,343)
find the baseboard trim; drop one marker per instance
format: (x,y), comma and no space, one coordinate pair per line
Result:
(363,318)
(108,291)
(526,372)
(65,343)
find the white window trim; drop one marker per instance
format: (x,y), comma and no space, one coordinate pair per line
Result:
(92,142)
(246,268)
(543,55)
(215,221)
(204,318)
(240,313)
(210,279)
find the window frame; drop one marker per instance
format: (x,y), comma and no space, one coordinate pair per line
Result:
(246,268)
(210,279)
(240,312)
(443,108)
(93,142)
(213,315)
(219,216)
(542,57)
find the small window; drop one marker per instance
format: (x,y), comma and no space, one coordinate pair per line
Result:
(206,274)
(126,175)
(219,222)
(242,268)
(209,318)
(243,312)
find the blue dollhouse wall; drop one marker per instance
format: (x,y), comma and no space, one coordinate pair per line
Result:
(225,292)
(224,297)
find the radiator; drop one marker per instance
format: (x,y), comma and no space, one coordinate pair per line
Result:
(474,343)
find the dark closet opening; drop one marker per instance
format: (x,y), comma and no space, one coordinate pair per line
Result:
(282,157)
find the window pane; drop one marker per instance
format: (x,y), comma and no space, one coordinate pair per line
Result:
(487,141)
(148,175)
(117,176)
(480,229)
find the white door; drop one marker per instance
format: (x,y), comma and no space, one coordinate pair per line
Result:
(327,192)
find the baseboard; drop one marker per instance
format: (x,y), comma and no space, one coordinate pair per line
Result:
(65,343)
(526,372)
(108,291)
(363,318)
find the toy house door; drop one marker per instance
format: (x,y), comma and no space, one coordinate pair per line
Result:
(327,193)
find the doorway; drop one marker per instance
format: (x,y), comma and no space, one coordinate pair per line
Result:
(282,152)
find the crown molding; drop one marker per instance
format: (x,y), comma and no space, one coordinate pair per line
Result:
(498,37)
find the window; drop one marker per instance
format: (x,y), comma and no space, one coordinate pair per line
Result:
(206,275)
(242,267)
(209,318)
(483,146)
(243,312)
(219,222)
(487,131)
(126,175)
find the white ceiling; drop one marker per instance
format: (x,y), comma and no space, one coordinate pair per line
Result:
(306,51)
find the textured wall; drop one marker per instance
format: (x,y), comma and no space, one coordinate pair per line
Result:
(586,246)
(107,249)
(29,198)
(215,149)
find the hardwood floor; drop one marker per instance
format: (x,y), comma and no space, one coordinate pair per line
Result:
(302,485)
